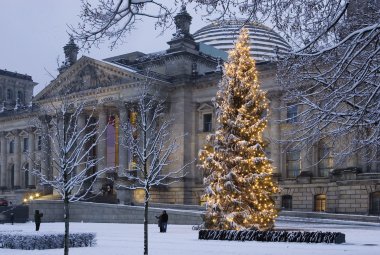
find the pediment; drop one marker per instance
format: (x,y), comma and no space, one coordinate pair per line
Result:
(9,135)
(85,75)
(23,133)
(205,107)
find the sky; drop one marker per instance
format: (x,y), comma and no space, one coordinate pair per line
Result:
(33,33)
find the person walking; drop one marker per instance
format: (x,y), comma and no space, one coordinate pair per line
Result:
(163,221)
(37,219)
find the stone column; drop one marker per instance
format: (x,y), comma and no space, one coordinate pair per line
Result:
(124,195)
(3,160)
(123,151)
(45,145)
(17,153)
(32,159)
(81,124)
(275,134)
(101,148)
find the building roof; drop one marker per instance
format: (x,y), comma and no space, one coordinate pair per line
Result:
(265,43)
(15,75)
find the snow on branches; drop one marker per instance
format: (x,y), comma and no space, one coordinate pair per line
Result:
(69,134)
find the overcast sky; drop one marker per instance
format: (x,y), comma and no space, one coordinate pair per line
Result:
(33,32)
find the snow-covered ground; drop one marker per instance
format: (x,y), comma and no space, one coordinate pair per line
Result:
(127,239)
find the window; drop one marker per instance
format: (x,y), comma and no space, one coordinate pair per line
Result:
(20,96)
(11,146)
(374,203)
(39,143)
(293,163)
(207,122)
(111,141)
(9,94)
(286,202)
(291,113)
(26,144)
(26,175)
(320,203)
(325,160)
(12,170)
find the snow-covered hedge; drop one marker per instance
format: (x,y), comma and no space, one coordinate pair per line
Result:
(44,241)
(273,236)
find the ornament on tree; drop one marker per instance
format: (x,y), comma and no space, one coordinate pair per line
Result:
(239,185)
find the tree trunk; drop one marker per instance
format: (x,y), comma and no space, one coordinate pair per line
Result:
(146,204)
(67,221)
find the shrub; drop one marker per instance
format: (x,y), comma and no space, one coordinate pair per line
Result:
(273,236)
(45,241)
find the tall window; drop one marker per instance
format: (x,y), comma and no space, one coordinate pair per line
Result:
(207,122)
(291,113)
(26,175)
(112,142)
(26,144)
(293,163)
(325,160)
(12,170)
(20,96)
(9,94)
(12,146)
(286,202)
(374,203)
(320,203)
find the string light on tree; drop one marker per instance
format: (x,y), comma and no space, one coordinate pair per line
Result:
(239,181)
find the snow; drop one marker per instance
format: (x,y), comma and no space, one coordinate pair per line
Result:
(117,239)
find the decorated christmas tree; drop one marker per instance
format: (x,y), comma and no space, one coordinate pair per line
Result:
(239,185)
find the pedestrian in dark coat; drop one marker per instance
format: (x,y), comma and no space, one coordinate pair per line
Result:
(12,218)
(37,219)
(163,221)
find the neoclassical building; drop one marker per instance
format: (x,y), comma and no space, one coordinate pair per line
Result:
(187,73)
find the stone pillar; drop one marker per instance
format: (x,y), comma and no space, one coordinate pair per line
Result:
(3,160)
(46,153)
(17,166)
(32,159)
(81,124)
(125,196)
(101,148)
(275,134)
(45,145)
(123,151)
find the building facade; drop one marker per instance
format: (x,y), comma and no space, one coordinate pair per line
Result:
(187,74)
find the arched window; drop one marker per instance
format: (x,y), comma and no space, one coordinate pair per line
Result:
(374,203)
(11,146)
(286,202)
(320,203)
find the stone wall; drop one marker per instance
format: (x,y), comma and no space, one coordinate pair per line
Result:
(109,213)
(343,195)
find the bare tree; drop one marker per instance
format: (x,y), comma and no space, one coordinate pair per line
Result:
(72,138)
(152,146)
(114,19)
(332,70)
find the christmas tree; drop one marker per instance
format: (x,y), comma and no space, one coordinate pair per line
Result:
(239,184)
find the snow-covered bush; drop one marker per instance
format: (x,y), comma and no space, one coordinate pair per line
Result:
(273,236)
(22,241)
